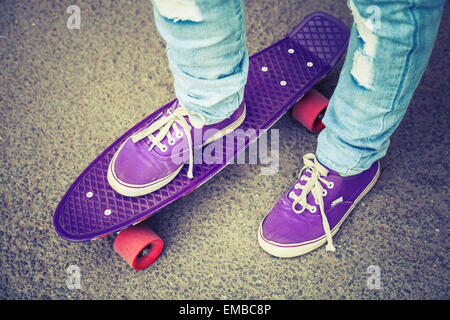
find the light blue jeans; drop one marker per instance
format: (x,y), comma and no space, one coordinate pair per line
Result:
(390,45)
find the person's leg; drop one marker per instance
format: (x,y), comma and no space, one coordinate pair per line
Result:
(390,44)
(206,48)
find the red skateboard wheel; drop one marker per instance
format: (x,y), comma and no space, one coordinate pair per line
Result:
(309,110)
(139,245)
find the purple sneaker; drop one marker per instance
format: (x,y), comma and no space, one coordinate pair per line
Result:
(313,209)
(152,157)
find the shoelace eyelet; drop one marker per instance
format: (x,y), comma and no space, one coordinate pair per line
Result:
(324,193)
(313,209)
(171,142)
(330,185)
(179,134)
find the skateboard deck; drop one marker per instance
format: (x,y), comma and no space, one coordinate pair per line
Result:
(278,77)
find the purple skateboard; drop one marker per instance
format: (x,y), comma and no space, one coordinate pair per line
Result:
(278,77)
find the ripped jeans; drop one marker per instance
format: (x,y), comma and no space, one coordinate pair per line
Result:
(389,48)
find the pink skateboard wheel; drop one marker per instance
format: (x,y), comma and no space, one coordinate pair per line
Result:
(139,245)
(309,110)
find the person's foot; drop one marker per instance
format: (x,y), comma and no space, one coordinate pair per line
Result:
(313,209)
(152,157)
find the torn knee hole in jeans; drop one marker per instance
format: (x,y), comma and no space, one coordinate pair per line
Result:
(177,10)
(362,68)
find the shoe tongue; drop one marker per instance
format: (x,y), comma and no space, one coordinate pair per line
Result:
(174,105)
(330,171)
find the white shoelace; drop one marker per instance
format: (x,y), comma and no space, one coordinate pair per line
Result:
(313,185)
(163,125)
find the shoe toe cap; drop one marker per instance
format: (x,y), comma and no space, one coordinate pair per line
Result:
(133,164)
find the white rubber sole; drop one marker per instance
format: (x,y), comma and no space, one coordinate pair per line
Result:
(131,190)
(297,249)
